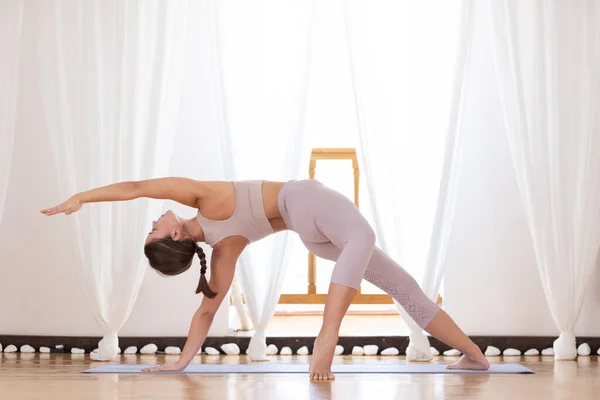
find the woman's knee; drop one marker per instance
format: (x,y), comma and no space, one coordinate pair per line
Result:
(365,237)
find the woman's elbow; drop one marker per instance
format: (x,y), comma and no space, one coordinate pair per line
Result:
(135,189)
(206,314)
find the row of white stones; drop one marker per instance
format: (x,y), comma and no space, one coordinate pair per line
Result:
(584,349)
(367,350)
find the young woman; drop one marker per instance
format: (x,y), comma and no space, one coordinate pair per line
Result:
(232,215)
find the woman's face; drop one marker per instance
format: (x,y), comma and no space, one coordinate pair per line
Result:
(164,226)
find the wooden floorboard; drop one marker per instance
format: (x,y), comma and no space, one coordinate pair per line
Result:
(58,376)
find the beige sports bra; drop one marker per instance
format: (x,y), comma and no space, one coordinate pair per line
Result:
(248,219)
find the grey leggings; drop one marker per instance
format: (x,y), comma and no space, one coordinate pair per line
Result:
(332,228)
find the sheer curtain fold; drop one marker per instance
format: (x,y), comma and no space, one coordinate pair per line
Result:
(261,55)
(408,103)
(419,347)
(547,57)
(11,21)
(111,74)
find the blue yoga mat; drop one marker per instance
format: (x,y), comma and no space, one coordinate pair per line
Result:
(294,368)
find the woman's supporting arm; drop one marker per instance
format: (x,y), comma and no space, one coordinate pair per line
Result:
(222,264)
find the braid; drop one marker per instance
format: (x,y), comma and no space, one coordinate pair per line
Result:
(203,283)
(202,258)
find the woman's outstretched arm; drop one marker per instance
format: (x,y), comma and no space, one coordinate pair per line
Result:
(182,190)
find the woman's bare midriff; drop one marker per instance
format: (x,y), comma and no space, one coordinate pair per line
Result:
(271,202)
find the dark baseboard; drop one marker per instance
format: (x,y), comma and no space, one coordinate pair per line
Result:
(522,343)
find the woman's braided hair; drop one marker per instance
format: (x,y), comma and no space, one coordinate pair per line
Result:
(173,257)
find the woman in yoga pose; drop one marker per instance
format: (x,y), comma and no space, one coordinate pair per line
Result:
(232,215)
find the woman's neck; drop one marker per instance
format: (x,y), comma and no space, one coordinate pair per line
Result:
(192,228)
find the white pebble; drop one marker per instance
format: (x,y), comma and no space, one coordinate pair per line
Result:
(532,352)
(370,349)
(302,351)
(75,350)
(286,351)
(548,352)
(10,349)
(0,347)
(149,349)
(492,351)
(391,351)
(434,352)
(598,352)
(172,350)
(118,350)
(59,346)
(358,351)
(584,349)
(211,351)
(44,349)
(131,350)
(231,349)
(512,352)
(339,350)
(27,349)
(452,352)
(272,350)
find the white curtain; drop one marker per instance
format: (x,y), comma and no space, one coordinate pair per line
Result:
(419,347)
(547,56)
(240,320)
(261,56)
(111,72)
(11,18)
(408,61)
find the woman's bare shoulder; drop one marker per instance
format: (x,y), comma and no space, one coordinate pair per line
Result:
(215,187)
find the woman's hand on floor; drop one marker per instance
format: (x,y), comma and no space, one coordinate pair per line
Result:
(164,368)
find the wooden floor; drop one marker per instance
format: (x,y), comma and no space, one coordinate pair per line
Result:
(58,376)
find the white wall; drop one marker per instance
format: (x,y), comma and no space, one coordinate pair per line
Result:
(492,285)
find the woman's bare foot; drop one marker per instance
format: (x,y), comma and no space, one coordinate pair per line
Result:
(479,363)
(322,357)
